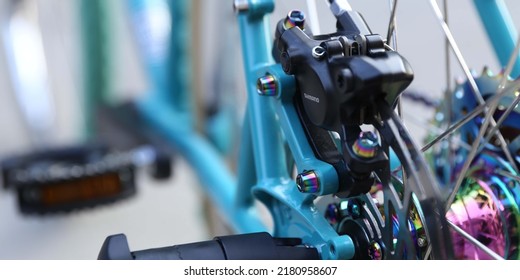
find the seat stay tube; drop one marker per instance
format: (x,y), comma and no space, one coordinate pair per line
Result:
(500,29)
(268,147)
(294,213)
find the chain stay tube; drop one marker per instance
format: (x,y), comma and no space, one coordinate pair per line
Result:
(295,215)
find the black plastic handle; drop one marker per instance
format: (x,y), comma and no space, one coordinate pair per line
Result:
(252,246)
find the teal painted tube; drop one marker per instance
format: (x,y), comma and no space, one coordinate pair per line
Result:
(246,168)
(96,50)
(179,77)
(500,29)
(267,140)
(217,180)
(167,107)
(151,22)
(293,213)
(163,33)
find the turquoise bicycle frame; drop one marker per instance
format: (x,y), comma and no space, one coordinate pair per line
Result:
(500,30)
(271,125)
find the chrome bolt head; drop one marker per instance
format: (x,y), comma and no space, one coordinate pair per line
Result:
(308,182)
(266,85)
(294,18)
(421,241)
(366,145)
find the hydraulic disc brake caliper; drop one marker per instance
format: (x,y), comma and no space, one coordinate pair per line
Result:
(342,79)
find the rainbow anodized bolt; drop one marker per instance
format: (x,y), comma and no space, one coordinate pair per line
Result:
(294,18)
(308,182)
(366,145)
(266,85)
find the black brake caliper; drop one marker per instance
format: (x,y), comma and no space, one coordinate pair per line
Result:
(341,79)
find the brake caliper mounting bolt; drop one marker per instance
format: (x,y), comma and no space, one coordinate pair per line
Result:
(266,85)
(332,214)
(421,241)
(308,182)
(294,18)
(374,251)
(353,208)
(366,145)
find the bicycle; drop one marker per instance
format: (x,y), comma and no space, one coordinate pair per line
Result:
(411,223)
(321,239)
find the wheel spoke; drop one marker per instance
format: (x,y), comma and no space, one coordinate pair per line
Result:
(465,167)
(435,129)
(447,93)
(474,149)
(428,252)
(458,54)
(475,112)
(449,153)
(507,72)
(507,174)
(456,50)
(474,241)
(502,119)
(391,36)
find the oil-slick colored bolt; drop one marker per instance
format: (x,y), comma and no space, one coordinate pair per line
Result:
(308,182)
(332,214)
(266,85)
(374,251)
(353,208)
(294,18)
(366,145)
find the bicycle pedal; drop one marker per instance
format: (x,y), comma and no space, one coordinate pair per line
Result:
(64,180)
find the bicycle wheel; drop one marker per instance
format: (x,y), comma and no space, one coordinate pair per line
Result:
(477,200)
(336,93)
(477,164)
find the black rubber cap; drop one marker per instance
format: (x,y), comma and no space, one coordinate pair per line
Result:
(115,247)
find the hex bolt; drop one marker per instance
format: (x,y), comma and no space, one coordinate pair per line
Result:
(353,208)
(374,251)
(295,18)
(366,145)
(266,85)
(421,241)
(308,182)
(332,214)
